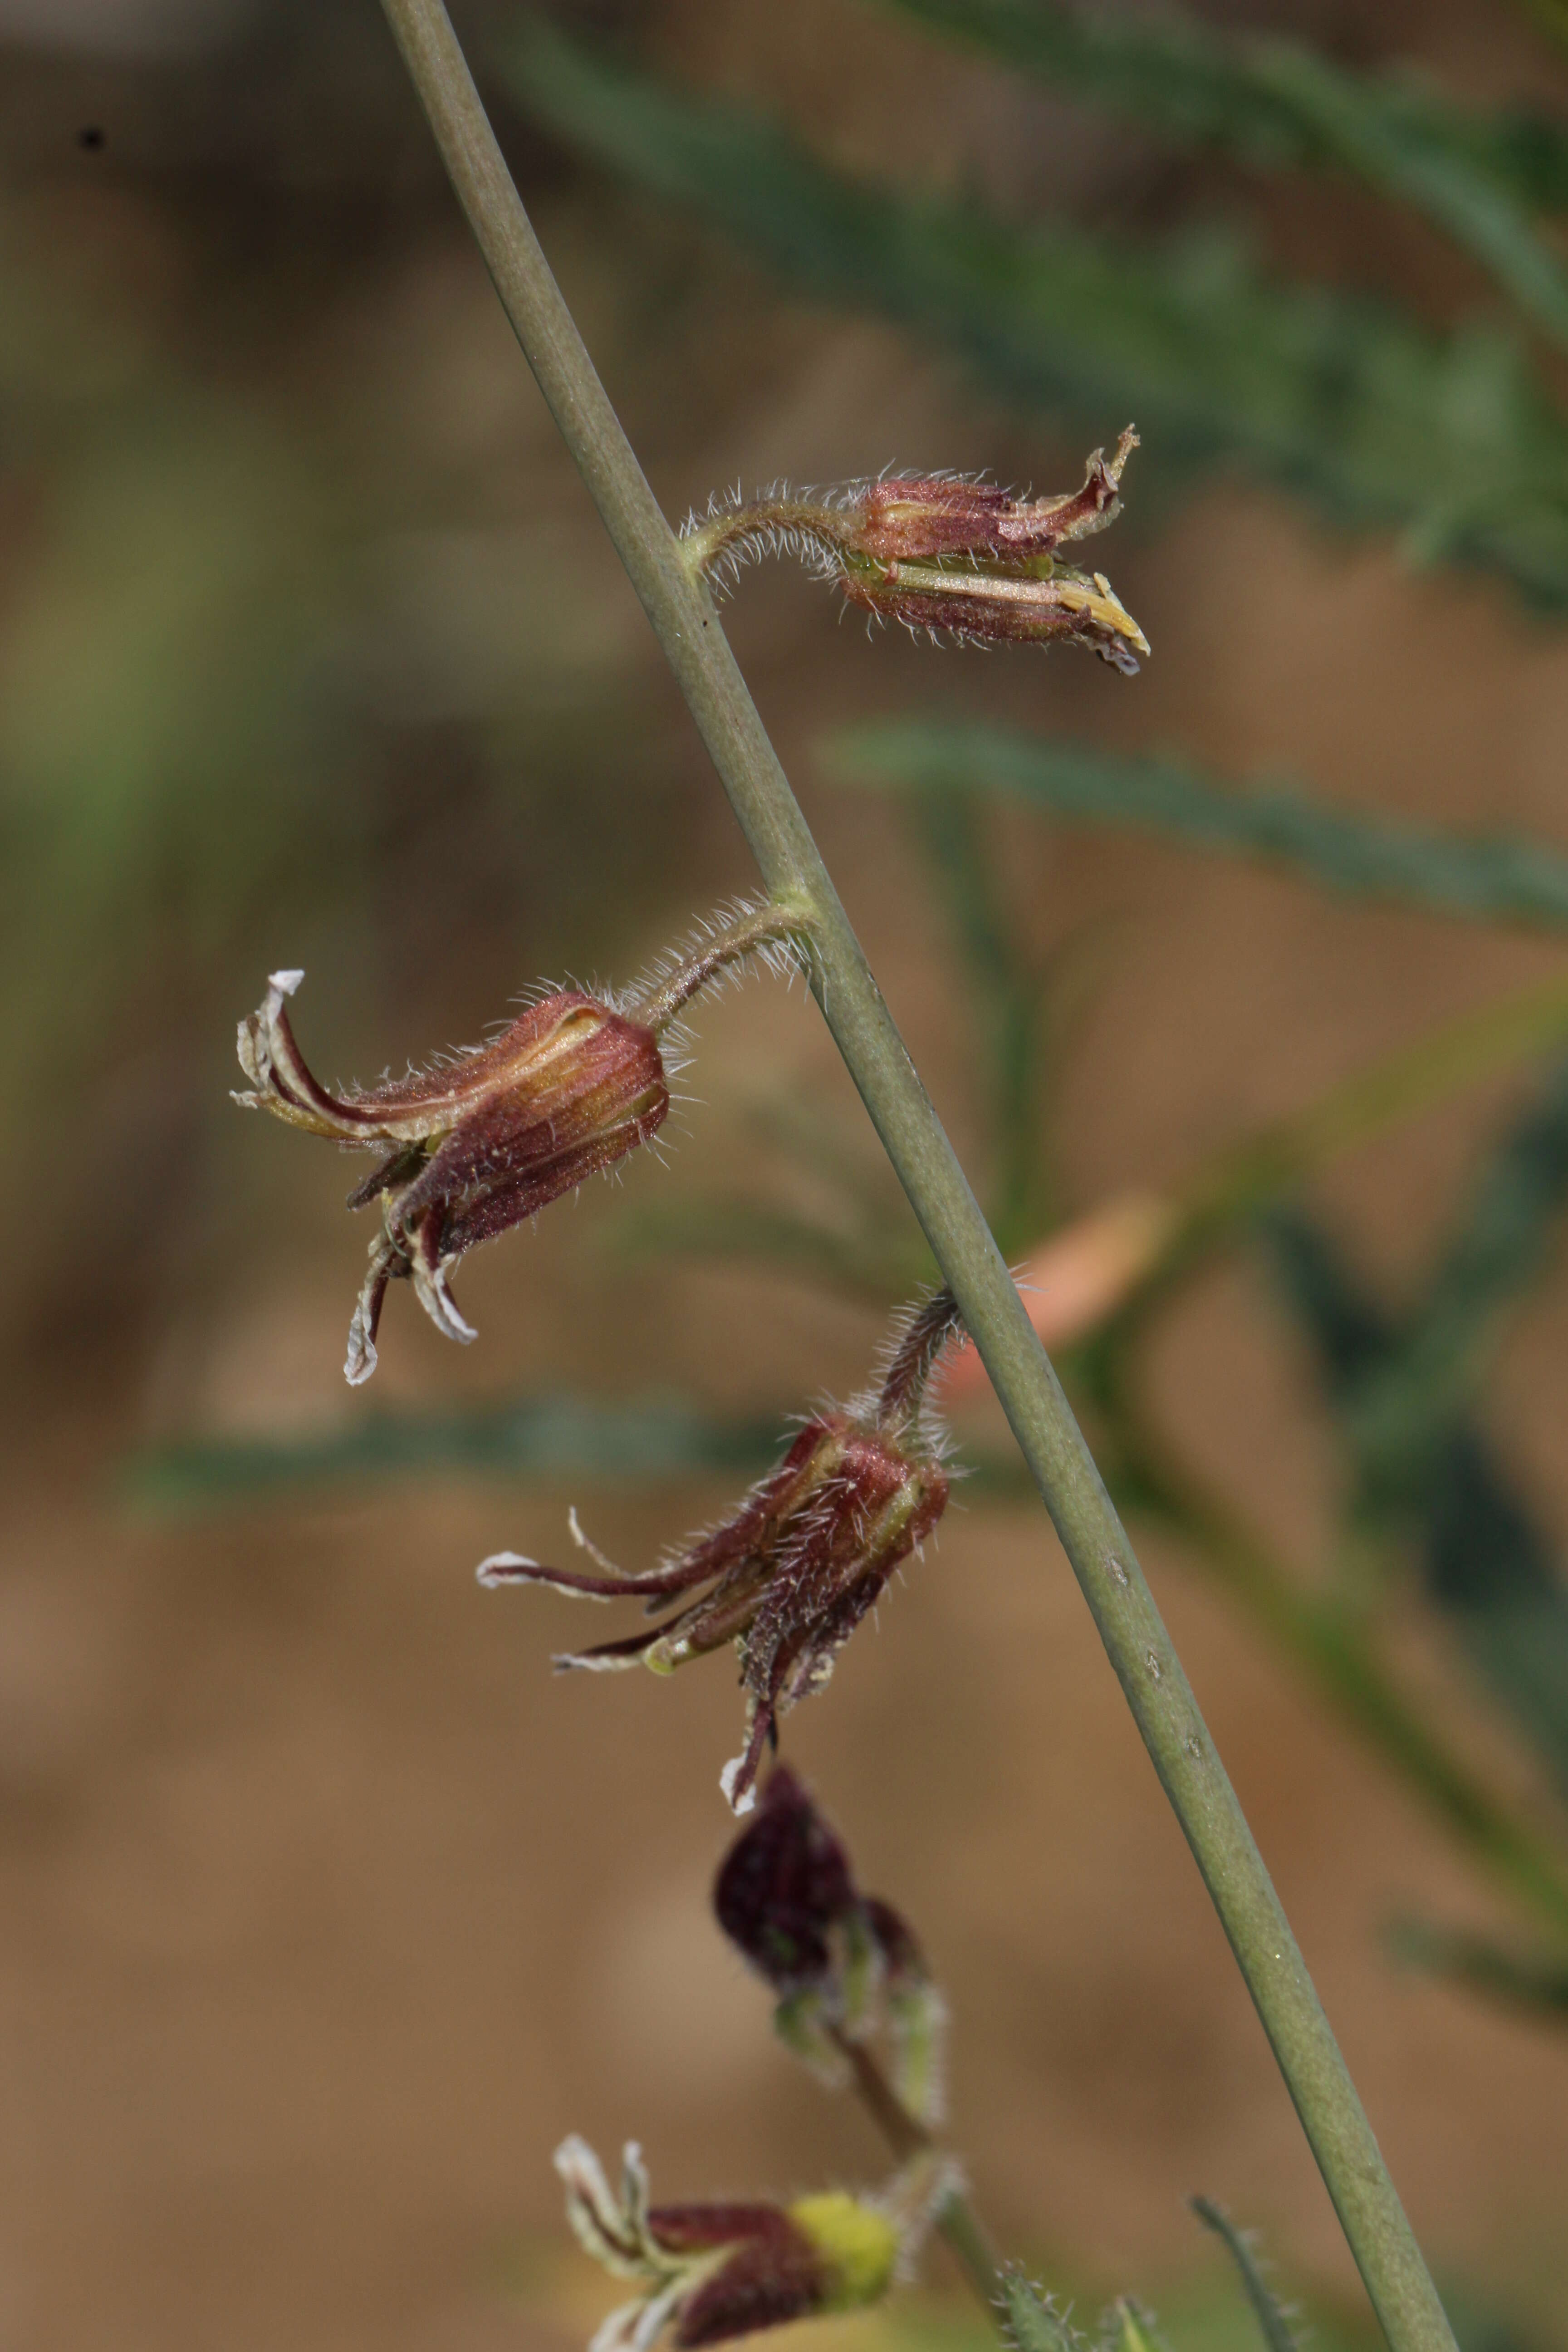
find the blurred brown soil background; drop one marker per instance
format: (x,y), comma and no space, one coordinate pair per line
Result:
(330,1911)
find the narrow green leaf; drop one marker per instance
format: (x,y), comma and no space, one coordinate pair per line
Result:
(1499,1246)
(537,1437)
(1351,1337)
(871,1264)
(1534,1981)
(640,1443)
(1490,878)
(1276,103)
(1486,1566)
(1278,2333)
(1450,441)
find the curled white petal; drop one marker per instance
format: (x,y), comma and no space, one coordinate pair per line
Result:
(493,1571)
(635,2196)
(726,1779)
(597,2220)
(438,1301)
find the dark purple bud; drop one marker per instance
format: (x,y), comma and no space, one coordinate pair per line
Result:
(784,1886)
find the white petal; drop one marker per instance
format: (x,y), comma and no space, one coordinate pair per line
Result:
(635,2199)
(438,1302)
(492,1570)
(619,2332)
(597,2220)
(726,1779)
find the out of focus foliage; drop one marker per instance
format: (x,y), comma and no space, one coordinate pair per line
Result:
(1451,435)
(265,682)
(1453,439)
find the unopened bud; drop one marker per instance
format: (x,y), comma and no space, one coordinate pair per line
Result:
(943,553)
(843,1964)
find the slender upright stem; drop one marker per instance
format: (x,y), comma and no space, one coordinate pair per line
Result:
(684,620)
(956,2219)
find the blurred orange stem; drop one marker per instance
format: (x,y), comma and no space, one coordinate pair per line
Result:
(685,622)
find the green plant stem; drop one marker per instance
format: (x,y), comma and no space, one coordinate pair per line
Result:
(1139,1649)
(1329,1643)
(956,2219)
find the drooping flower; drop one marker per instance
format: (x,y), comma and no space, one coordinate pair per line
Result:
(944,553)
(492,1136)
(843,1964)
(709,2273)
(789,1577)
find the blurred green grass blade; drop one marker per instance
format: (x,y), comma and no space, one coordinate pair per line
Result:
(1484,1564)
(1499,1247)
(1275,103)
(1487,877)
(642,1442)
(1350,1337)
(1533,1981)
(721,1229)
(1452,442)
(538,1437)
(1278,2333)
(1488,1568)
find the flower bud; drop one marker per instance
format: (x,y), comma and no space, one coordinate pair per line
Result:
(709,2273)
(844,1964)
(920,518)
(783,1887)
(981,607)
(944,554)
(492,1135)
(789,1577)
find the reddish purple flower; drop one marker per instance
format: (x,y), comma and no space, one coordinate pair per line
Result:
(982,608)
(492,1136)
(808,1553)
(920,517)
(939,553)
(709,2272)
